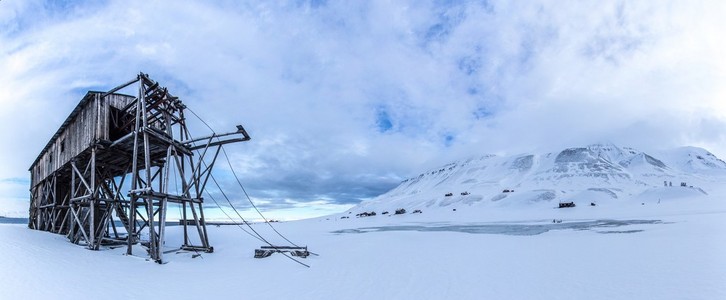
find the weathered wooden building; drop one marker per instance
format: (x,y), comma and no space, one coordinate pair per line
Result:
(104,177)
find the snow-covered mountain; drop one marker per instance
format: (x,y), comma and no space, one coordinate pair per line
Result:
(598,173)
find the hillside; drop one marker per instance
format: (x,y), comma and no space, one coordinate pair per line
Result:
(598,173)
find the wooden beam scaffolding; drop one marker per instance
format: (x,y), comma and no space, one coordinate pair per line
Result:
(117,191)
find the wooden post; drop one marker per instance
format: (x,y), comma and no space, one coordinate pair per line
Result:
(92,200)
(184,217)
(134,173)
(71,232)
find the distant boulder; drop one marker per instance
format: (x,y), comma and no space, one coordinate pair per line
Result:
(366,214)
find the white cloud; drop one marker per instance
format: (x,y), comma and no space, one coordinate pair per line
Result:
(311,81)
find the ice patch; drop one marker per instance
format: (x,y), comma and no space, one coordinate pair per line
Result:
(509,229)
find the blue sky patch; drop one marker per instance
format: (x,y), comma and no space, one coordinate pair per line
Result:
(383,120)
(448,139)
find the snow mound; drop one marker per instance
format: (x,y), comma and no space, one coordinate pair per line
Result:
(657,194)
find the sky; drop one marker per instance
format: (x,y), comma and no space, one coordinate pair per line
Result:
(344,99)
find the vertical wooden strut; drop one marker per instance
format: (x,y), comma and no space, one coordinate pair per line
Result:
(104,177)
(93,200)
(132,237)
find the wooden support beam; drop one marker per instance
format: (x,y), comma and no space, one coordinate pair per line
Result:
(120,87)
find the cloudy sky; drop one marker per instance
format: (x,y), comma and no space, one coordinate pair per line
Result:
(344,99)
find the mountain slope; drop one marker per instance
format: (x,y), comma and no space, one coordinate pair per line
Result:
(595,173)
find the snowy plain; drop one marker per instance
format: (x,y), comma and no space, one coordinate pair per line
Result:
(642,239)
(681,256)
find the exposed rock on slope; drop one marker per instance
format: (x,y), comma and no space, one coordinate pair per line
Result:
(598,172)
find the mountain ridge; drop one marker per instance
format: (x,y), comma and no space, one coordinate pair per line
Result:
(596,172)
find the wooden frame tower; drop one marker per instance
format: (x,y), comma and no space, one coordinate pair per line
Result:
(109,172)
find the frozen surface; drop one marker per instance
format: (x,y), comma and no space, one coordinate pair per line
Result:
(531,228)
(671,250)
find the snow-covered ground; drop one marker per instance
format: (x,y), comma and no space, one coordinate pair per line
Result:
(641,240)
(669,250)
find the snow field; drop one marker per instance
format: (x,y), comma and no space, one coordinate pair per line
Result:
(680,258)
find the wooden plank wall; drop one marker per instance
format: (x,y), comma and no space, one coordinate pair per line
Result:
(90,123)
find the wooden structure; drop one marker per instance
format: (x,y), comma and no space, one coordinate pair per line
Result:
(104,177)
(266,251)
(566,204)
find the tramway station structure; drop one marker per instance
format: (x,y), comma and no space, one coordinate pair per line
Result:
(109,173)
